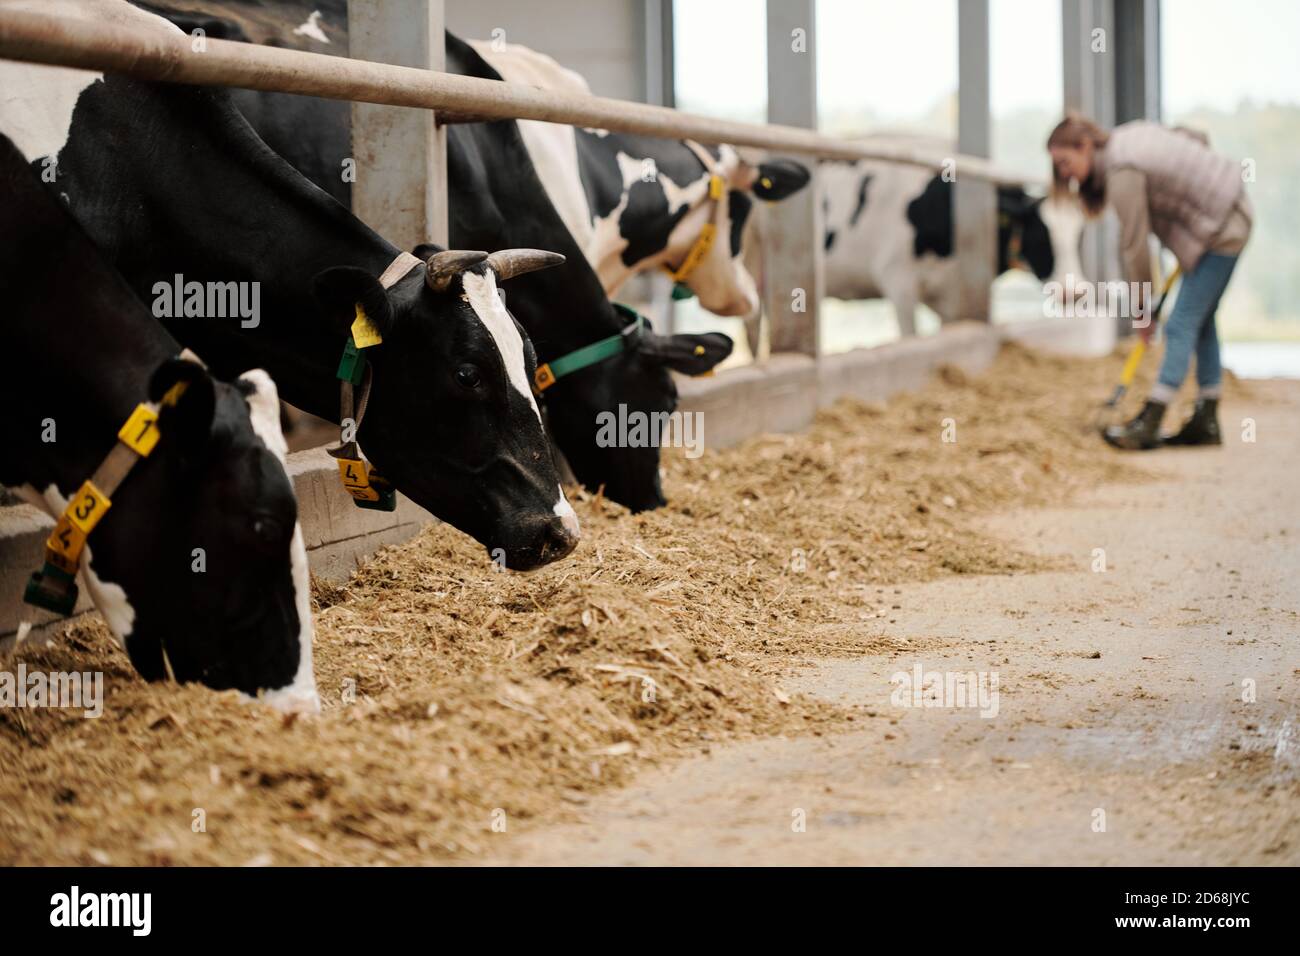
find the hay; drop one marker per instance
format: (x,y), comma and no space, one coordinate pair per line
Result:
(458,699)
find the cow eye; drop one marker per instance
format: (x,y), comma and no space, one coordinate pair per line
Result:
(268,531)
(467,376)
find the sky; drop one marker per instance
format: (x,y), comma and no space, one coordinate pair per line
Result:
(898,58)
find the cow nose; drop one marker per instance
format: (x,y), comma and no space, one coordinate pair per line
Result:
(559,538)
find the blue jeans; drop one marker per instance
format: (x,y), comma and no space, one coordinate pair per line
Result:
(1191,326)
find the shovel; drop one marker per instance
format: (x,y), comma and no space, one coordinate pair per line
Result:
(1134,359)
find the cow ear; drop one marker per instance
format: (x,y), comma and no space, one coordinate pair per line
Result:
(185,418)
(688,354)
(931,216)
(339,290)
(425,251)
(1015,202)
(779,179)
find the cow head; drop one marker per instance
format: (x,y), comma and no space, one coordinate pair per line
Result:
(451,418)
(1043,235)
(715,271)
(1065,219)
(1023,238)
(633,384)
(199,567)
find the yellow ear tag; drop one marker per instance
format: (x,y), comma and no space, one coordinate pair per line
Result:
(87,506)
(715,187)
(767,183)
(699,350)
(364,333)
(64,546)
(140,433)
(174,393)
(356,479)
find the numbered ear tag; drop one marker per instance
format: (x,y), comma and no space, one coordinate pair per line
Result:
(356,479)
(140,433)
(364,333)
(174,393)
(64,545)
(352,366)
(386,499)
(87,507)
(543,378)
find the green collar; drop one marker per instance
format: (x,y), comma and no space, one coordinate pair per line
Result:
(597,351)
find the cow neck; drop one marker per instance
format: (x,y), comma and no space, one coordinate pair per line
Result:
(90,404)
(501,205)
(87,347)
(274,227)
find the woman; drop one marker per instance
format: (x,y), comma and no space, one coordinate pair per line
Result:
(1169,183)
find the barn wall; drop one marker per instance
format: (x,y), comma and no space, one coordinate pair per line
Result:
(605,42)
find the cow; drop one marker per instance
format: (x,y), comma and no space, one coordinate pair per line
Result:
(639,203)
(889,233)
(496,199)
(198,564)
(170,181)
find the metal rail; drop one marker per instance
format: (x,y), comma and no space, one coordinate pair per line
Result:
(167,56)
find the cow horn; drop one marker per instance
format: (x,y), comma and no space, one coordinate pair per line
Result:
(444,266)
(509,263)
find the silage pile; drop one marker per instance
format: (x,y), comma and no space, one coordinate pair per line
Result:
(458,698)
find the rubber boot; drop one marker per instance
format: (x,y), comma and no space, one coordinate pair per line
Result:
(1142,433)
(1202,428)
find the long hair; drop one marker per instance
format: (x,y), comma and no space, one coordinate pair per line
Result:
(1074,131)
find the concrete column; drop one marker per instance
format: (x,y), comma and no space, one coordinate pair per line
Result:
(793,279)
(974,200)
(401,154)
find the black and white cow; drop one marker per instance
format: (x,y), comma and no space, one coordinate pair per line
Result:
(889,233)
(81,352)
(637,203)
(497,197)
(171,181)
(496,200)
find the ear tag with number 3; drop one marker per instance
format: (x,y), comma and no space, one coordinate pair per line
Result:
(364,333)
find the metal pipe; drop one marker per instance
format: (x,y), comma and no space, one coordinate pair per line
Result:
(168,57)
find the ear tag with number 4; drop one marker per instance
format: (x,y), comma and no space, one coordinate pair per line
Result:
(356,479)
(364,332)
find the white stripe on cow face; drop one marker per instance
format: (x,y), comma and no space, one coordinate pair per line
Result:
(1065,221)
(568,517)
(481,290)
(264,415)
